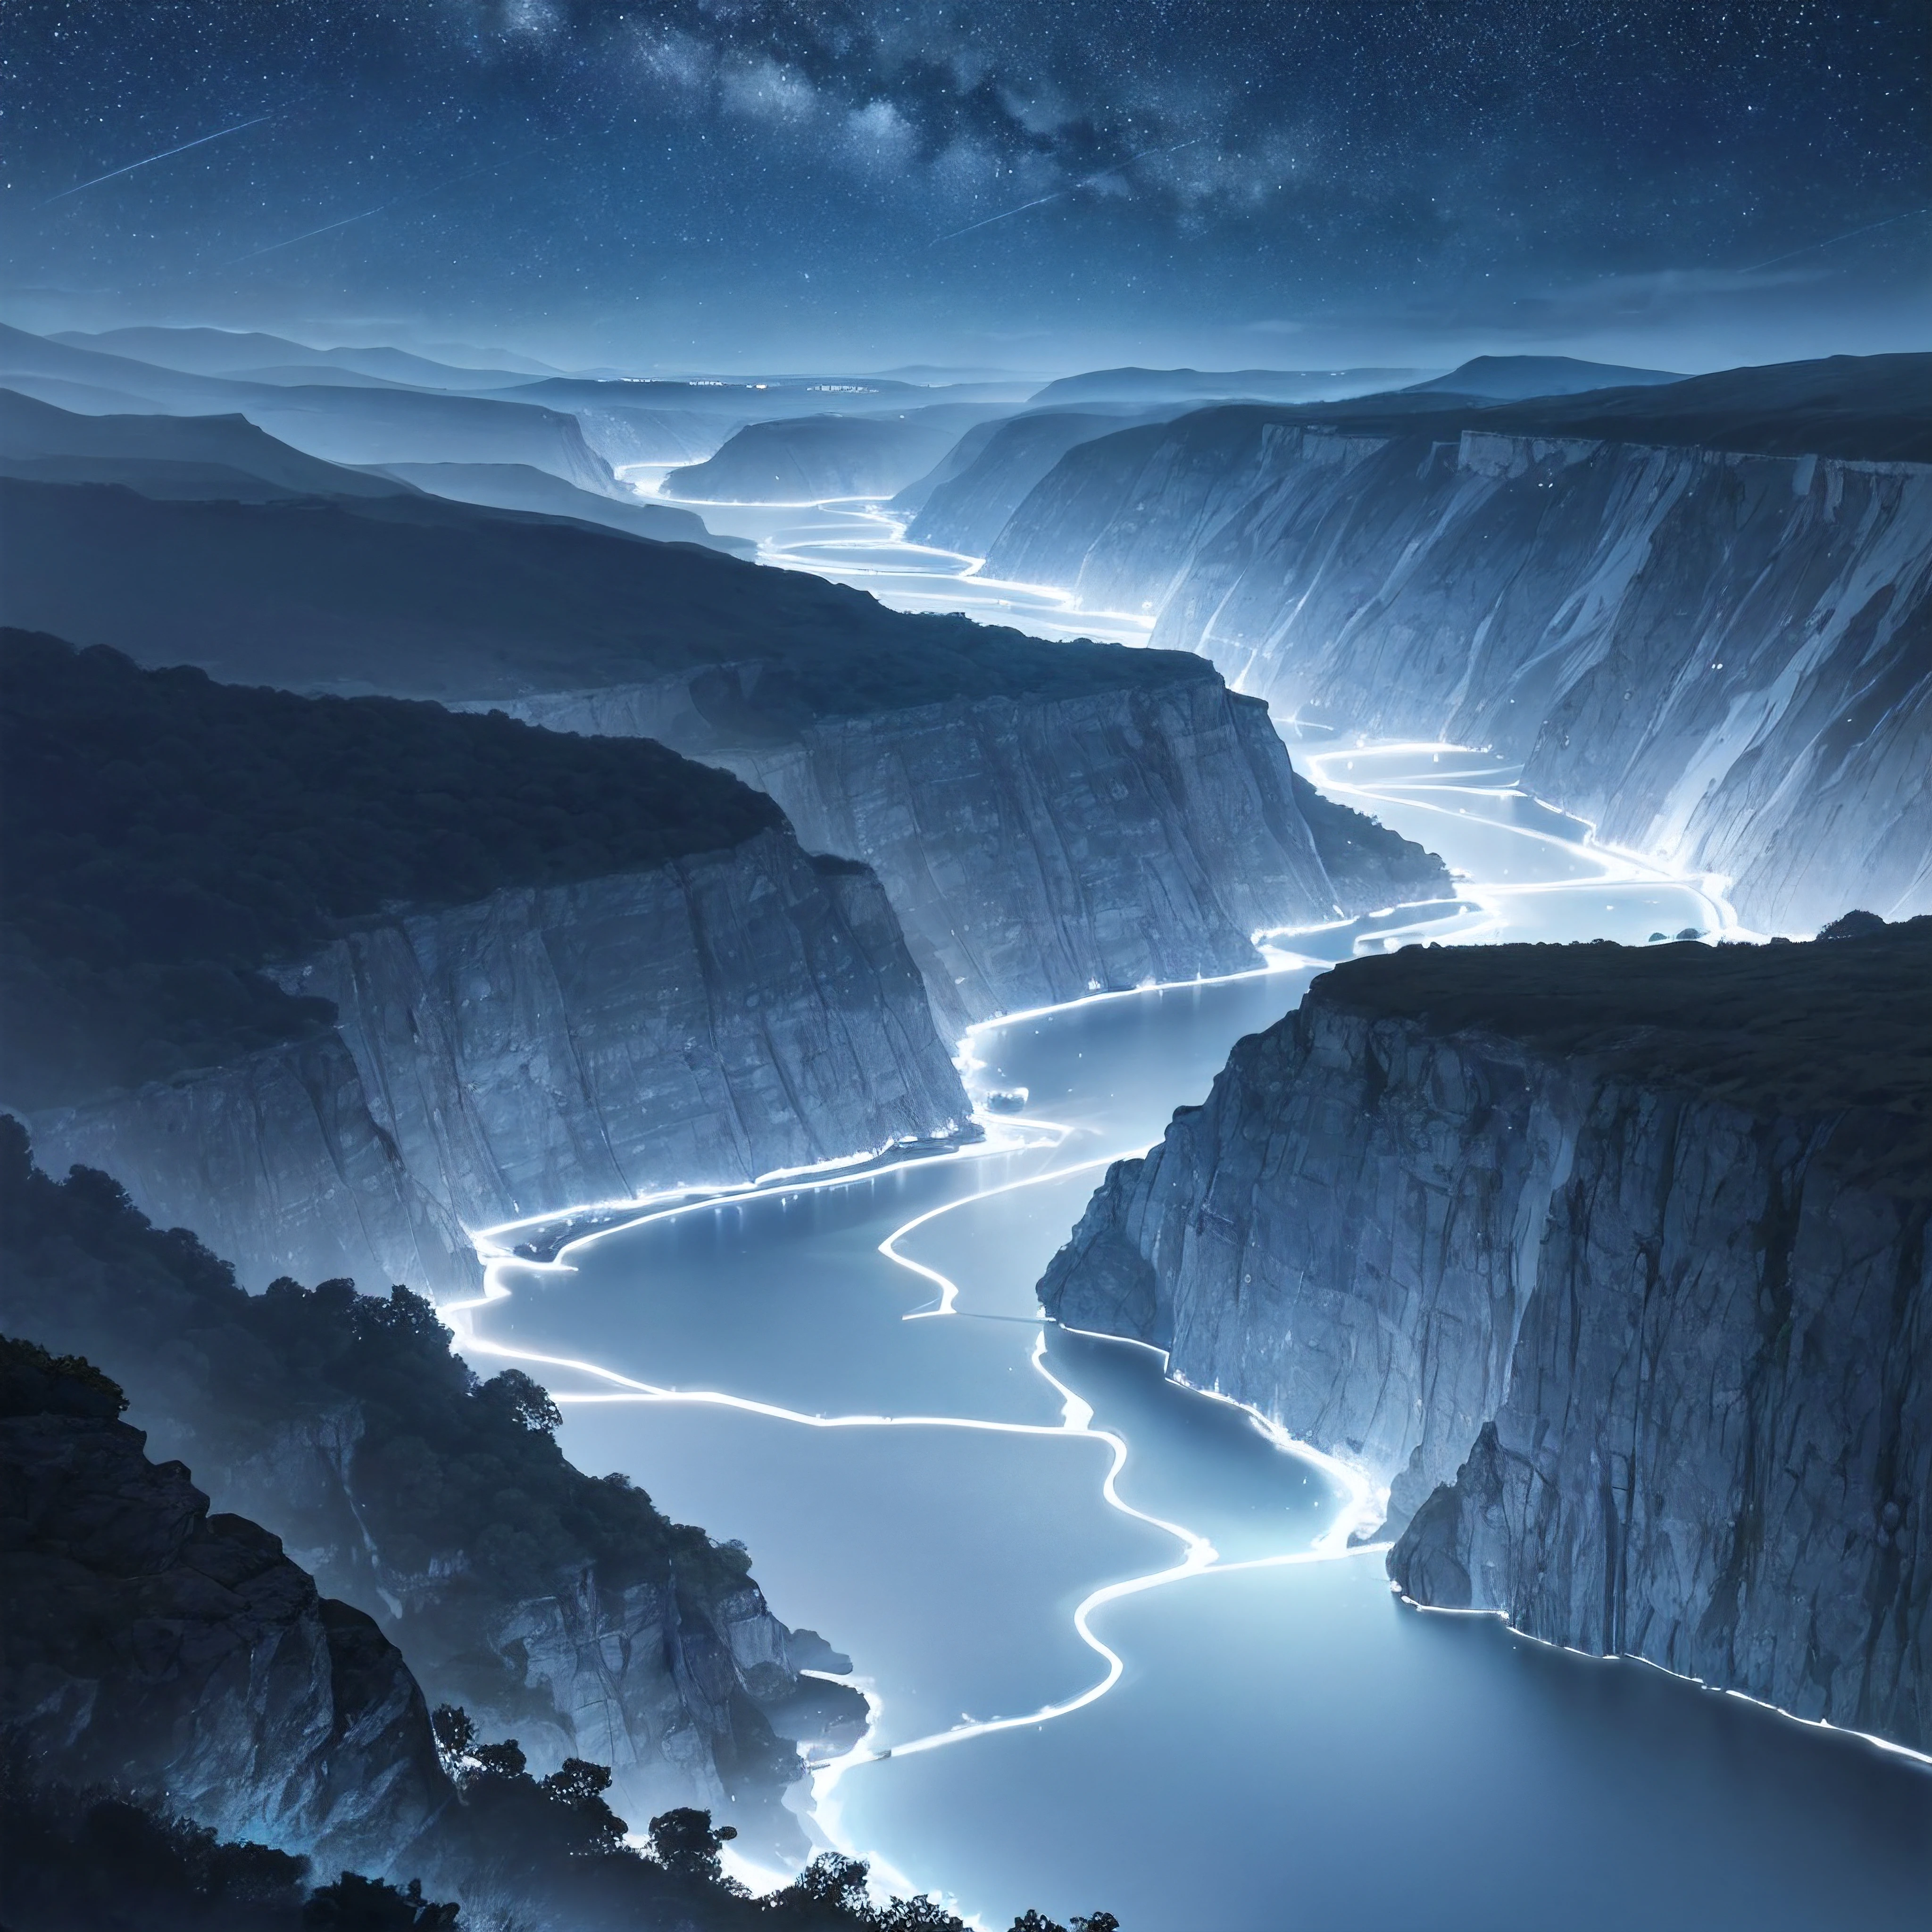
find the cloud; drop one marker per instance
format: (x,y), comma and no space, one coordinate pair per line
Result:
(766,92)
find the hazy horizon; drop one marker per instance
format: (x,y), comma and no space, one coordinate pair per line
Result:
(735,186)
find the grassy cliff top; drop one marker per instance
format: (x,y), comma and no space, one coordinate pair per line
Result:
(1841,1025)
(1870,408)
(165,835)
(423,598)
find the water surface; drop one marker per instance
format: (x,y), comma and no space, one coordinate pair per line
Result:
(1117,1650)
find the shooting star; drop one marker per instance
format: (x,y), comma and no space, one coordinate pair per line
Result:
(148,160)
(1831,241)
(381,208)
(1061,193)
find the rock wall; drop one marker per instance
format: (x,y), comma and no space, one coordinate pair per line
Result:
(558,1608)
(152,1646)
(967,508)
(1345,1235)
(1724,659)
(1650,1372)
(707,1020)
(1036,850)
(691,1694)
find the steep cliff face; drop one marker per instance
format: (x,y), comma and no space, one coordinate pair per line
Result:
(1717,656)
(968,506)
(683,1682)
(1035,849)
(710,1020)
(1716,1442)
(807,459)
(1612,1264)
(559,1609)
(151,1646)
(1345,1235)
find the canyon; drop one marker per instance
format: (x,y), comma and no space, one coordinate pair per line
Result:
(699,1024)
(1107,815)
(1697,612)
(643,984)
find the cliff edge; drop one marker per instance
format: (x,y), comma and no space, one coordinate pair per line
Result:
(1610,1262)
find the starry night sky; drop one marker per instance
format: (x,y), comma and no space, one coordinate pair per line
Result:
(1031,184)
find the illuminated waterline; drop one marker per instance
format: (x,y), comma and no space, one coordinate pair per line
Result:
(1358,1504)
(1193,1555)
(865,524)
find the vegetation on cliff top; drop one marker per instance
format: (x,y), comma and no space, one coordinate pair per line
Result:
(1841,1025)
(443,1472)
(168,836)
(533,1854)
(443,600)
(1870,408)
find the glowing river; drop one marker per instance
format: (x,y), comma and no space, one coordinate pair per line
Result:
(1118,1650)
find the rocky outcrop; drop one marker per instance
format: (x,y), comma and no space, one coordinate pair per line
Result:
(1035,849)
(559,1609)
(1716,656)
(683,1682)
(1345,1235)
(1630,1304)
(703,1021)
(151,1646)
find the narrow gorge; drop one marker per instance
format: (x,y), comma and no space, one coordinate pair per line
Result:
(1045,823)
(1697,614)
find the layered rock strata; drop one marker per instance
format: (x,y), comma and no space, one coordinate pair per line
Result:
(1623,1289)
(1038,849)
(1716,656)
(705,1020)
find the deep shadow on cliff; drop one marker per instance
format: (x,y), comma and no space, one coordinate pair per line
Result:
(1126,815)
(442,1504)
(192,1740)
(418,597)
(1611,1263)
(336,980)
(167,838)
(1840,1030)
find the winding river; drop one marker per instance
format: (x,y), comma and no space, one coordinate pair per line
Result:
(1118,1649)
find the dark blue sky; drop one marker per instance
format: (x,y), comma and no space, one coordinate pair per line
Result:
(718,183)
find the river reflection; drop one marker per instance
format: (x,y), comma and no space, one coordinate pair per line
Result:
(918,1462)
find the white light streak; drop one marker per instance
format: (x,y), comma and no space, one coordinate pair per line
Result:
(1481,909)
(1522,1636)
(148,160)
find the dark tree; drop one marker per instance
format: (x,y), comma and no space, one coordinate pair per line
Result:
(504,1759)
(686,1844)
(579,1786)
(354,1904)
